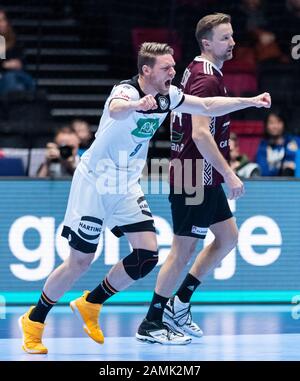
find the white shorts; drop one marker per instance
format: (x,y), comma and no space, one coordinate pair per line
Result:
(89,212)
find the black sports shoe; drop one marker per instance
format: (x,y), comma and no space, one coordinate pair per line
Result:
(158,332)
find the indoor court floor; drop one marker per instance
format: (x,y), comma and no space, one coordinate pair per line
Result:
(231,332)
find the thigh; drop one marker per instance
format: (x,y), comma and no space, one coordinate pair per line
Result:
(192,220)
(183,245)
(225,231)
(131,214)
(143,240)
(77,257)
(85,214)
(222,211)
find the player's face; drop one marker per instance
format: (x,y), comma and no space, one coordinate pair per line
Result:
(162,73)
(222,42)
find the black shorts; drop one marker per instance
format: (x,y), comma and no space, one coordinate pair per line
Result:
(194,220)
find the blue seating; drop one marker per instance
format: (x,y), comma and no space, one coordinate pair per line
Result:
(11,167)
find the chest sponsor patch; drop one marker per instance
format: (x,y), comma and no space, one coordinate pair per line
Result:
(146,128)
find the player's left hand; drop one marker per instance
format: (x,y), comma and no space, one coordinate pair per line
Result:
(262,100)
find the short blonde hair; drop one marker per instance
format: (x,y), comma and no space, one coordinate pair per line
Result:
(205,26)
(149,51)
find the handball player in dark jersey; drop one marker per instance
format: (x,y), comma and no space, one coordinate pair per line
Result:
(201,146)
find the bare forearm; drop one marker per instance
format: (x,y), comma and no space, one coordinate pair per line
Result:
(218,106)
(214,106)
(120,109)
(209,150)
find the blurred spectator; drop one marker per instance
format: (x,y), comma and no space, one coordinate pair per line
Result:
(12,76)
(1,154)
(240,163)
(286,24)
(61,155)
(84,133)
(259,30)
(277,151)
(256,32)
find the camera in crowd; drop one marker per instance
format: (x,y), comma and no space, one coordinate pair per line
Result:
(65,151)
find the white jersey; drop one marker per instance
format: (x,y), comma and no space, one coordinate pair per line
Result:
(122,145)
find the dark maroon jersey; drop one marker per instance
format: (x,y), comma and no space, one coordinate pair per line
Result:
(201,78)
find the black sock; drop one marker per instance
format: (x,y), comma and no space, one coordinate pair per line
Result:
(188,286)
(101,293)
(156,308)
(42,309)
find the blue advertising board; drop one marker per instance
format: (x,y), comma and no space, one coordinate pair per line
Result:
(264,267)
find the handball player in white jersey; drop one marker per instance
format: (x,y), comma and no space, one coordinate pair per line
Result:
(105,192)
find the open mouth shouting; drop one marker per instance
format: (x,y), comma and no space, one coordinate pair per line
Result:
(168,83)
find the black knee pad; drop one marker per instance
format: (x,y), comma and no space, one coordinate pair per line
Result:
(140,262)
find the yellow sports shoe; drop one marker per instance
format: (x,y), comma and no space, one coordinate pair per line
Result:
(32,332)
(88,313)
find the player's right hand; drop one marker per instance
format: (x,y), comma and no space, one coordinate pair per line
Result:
(262,100)
(235,186)
(146,103)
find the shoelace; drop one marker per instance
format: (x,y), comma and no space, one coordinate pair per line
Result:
(184,313)
(171,331)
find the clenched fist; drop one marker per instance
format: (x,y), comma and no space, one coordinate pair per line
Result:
(146,103)
(262,100)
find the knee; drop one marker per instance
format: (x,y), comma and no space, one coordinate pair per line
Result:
(181,260)
(229,242)
(192,248)
(140,263)
(150,245)
(233,239)
(181,254)
(80,263)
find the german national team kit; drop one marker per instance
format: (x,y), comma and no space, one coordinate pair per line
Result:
(105,190)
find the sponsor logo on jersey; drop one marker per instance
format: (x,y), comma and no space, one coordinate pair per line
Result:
(122,94)
(225,127)
(163,102)
(177,147)
(199,231)
(186,75)
(144,206)
(224,143)
(146,128)
(126,87)
(90,228)
(177,136)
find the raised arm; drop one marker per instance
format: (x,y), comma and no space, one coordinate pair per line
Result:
(217,106)
(120,109)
